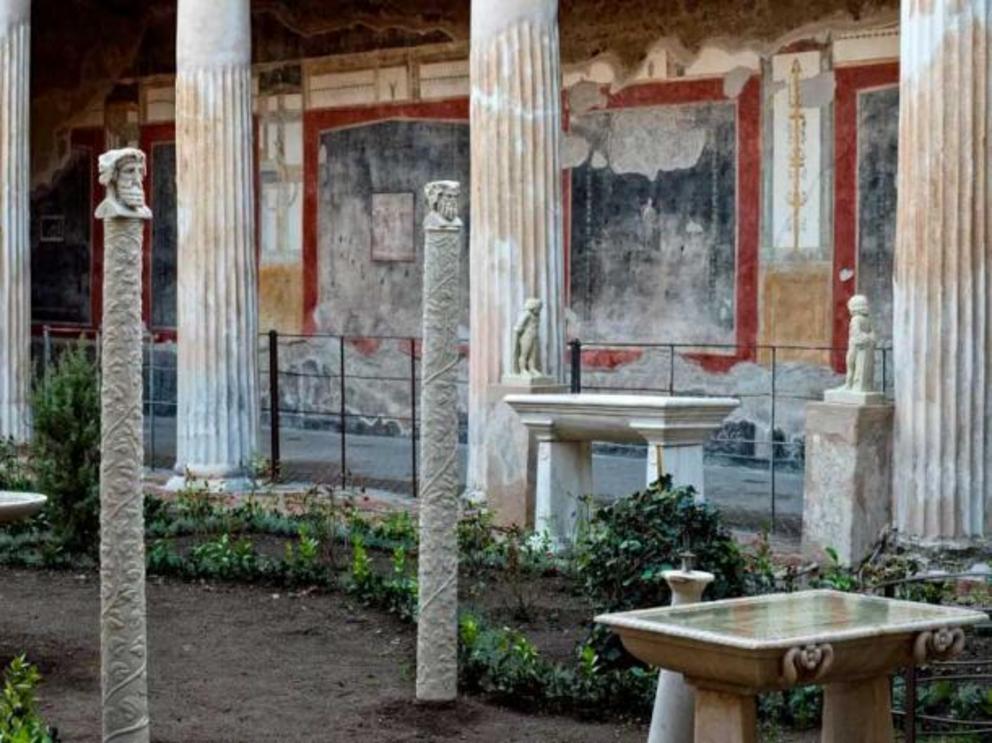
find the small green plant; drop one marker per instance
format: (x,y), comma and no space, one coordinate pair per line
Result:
(227,560)
(302,560)
(836,575)
(396,593)
(19,719)
(66,449)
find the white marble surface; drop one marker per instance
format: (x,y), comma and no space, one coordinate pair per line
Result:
(786,620)
(18,506)
(625,418)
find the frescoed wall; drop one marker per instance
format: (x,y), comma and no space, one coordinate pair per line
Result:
(878,147)
(371,208)
(61,247)
(654,227)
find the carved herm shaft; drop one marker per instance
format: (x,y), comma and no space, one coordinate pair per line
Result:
(124,650)
(437,628)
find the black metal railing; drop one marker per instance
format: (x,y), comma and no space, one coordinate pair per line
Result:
(692,359)
(916,725)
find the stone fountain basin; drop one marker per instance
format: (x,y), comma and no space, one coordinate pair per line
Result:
(742,643)
(19,506)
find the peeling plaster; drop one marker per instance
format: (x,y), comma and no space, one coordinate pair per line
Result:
(819,90)
(735,80)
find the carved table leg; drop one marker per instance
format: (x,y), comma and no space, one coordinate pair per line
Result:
(724,717)
(857,710)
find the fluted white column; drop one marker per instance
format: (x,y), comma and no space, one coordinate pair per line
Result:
(942,337)
(15,248)
(218,297)
(516,236)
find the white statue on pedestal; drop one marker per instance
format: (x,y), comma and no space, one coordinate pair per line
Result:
(859,385)
(122,172)
(527,341)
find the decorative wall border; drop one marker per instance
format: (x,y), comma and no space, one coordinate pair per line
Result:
(850,82)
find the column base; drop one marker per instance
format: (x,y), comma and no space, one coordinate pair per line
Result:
(232,484)
(858,710)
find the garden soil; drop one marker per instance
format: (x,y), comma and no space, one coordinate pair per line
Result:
(246,663)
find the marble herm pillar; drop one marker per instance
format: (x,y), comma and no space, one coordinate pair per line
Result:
(942,334)
(516,241)
(437,625)
(15,246)
(123,638)
(218,407)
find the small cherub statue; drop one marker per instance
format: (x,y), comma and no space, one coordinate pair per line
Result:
(860,347)
(859,384)
(526,341)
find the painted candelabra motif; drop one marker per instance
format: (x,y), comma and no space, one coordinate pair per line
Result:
(796,197)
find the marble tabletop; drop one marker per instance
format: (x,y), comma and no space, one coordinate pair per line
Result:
(788,619)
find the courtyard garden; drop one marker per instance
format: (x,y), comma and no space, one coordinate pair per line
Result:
(297,622)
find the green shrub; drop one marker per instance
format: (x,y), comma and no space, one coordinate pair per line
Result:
(13,471)
(66,449)
(620,558)
(19,720)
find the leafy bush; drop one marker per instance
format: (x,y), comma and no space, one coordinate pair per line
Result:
(66,449)
(19,720)
(629,544)
(13,471)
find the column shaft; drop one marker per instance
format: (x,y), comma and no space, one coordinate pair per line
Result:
(217,431)
(943,300)
(15,247)
(516,238)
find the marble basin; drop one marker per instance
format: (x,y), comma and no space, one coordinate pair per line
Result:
(757,644)
(18,506)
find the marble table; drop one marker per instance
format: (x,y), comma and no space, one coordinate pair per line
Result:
(674,428)
(17,506)
(732,650)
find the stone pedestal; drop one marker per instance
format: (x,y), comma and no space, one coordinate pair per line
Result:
(516,239)
(218,405)
(942,299)
(564,477)
(15,244)
(511,460)
(684,462)
(673,719)
(848,478)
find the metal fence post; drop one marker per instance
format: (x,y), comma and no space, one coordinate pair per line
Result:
(274,404)
(576,352)
(46,348)
(909,718)
(344,419)
(151,399)
(671,370)
(413,413)
(771,462)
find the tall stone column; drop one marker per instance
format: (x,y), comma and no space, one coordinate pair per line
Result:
(516,238)
(15,246)
(218,408)
(942,335)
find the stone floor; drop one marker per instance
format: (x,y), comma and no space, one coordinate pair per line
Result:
(385,463)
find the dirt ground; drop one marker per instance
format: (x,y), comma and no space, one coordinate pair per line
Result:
(245,664)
